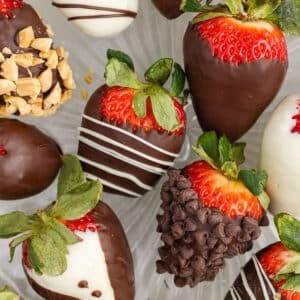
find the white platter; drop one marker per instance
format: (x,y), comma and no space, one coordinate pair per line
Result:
(150,37)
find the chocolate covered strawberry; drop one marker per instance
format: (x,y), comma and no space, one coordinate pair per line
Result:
(273,273)
(169,8)
(132,131)
(236,60)
(212,211)
(75,248)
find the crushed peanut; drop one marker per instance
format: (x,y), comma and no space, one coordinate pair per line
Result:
(26,36)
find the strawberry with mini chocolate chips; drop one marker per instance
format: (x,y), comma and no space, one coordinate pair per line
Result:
(278,265)
(212,211)
(236,60)
(76,247)
(133,130)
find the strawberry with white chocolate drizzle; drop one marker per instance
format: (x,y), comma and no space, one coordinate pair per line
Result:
(56,241)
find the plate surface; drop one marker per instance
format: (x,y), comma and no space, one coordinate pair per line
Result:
(148,38)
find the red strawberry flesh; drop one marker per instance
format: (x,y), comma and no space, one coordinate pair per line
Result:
(216,191)
(117,107)
(242,41)
(7,5)
(296,128)
(2,150)
(272,260)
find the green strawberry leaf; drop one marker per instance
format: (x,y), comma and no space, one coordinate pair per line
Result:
(254,181)
(209,142)
(211,15)
(277,278)
(264,10)
(292,267)
(14,223)
(230,169)
(178,81)
(66,234)
(47,253)
(264,200)
(236,153)
(78,201)
(118,73)
(6,294)
(140,104)
(293,283)
(70,176)
(200,152)
(288,15)
(224,149)
(235,6)
(160,71)
(198,6)
(16,242)
(121,56)
(163,108)
(288,230)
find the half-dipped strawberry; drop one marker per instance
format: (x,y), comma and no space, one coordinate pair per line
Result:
(273,273)
(212,211)
(75,248)
(132,131)
(236,60)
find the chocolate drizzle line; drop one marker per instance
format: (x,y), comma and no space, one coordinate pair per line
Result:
(118,12)
(197,239)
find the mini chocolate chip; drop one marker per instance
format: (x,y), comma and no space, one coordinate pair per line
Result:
(182,261)
(226,240)
(256,233)
(188,238)
(244,237)
(220,248)
(173,175)
(187,272)
(166,186)
(187,195)
(179,281)
(174,250)
(244,247)
(96,294)
(203,214)
(211,242)
(192,207)
(204,252)
(161,267)
(177,230)
(175,193)
(249,224)
(183,183)
(166,197)
(186,252)
(167,238)
(264,221)
(219,263)
(164,252)
(219,230)
(201,237)
(164,221)
(215,256)
(215,218)
(231,230)
(190,224)
(83,284)
(178,213)
(174,267)
(198,263)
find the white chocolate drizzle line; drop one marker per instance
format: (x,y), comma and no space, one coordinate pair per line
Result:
(113,186)
(246,285)
(116,173)
(121,157)
(129,149)
(131,135)
(235,294)
(114,12)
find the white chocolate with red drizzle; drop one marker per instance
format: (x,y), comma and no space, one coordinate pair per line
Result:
(280,156)
(100,18)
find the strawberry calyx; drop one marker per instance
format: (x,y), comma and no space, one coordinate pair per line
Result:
(119,71)
(45,235)
(225,157)
(7,5)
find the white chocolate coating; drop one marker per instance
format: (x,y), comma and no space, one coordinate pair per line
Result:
(280,157)
(115,16)
(86,261)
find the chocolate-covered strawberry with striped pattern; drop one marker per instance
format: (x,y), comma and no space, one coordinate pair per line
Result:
(132,131)
(272,273)
(212,210)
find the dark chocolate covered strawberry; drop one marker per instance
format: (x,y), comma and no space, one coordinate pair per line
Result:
(169,8)
(212,211)
(236,60)
(75,248)
(132,131)
(273,273)
(35,77)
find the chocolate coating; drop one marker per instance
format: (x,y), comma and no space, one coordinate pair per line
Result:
(169,142)
(169,8)
(117,255)
(31,162)
(196,238)
(252,279)
(228,98)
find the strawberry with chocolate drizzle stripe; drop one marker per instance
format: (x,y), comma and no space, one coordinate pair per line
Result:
(132,131)
(273,273)
(75,248)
